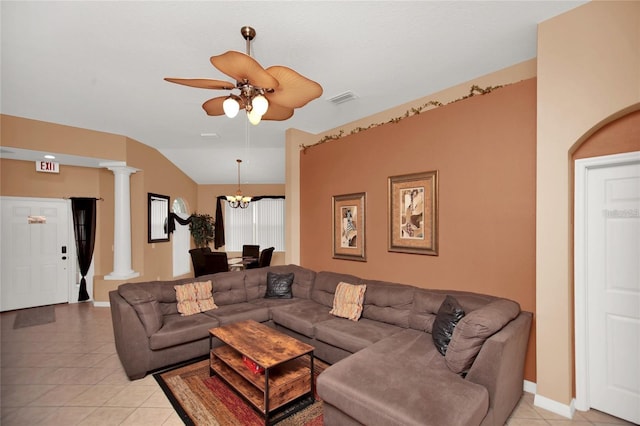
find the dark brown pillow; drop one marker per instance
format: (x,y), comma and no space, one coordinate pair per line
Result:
(279,286)
(448,315)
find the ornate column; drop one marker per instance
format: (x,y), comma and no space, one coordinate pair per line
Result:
(122,223)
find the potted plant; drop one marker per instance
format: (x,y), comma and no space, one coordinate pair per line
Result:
(202,228)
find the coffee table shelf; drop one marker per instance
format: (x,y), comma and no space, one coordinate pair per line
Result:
(286,385)
(286,381)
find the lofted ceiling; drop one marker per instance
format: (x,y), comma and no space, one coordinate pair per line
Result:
(100,66)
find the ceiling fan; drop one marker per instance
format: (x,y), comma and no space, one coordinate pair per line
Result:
(265,94)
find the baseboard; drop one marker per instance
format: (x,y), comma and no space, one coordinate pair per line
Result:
(555,406)
(529,387)
(101,304)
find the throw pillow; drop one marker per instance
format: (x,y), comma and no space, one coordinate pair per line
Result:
(187,299)
(193,298)
(348,300)
(279,286)
(449,313)
(204,296)
(472,331)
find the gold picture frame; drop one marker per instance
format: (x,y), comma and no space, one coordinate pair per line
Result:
(349,240)
(413,213)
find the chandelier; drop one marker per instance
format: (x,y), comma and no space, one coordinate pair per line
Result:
(238,200)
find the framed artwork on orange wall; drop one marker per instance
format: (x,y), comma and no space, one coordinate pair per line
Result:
(349,226)
(413,213)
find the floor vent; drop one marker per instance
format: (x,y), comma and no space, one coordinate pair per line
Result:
(343,97)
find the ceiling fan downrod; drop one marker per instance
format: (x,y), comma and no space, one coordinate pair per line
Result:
(248,33)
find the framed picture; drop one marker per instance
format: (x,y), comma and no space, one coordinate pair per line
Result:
(349,226)
(413,213)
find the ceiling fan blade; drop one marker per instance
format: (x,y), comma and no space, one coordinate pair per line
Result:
(295,90)
(278,113)
(202,83)
(214,106)
(243,67)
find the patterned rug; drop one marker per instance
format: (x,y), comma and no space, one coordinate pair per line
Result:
(35,316)
(203,400)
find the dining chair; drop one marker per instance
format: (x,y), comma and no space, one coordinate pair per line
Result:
(249,250)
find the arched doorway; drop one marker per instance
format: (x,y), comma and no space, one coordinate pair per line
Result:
(606,276)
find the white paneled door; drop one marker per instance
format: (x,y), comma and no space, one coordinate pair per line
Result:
(612,278)
(35,255)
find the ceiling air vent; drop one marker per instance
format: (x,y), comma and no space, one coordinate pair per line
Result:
(343,97)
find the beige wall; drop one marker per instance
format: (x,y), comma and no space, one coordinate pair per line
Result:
(155,174)
(588,74)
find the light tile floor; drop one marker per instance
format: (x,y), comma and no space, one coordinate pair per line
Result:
(68,373)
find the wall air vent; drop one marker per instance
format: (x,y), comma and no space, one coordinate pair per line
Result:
(343,97)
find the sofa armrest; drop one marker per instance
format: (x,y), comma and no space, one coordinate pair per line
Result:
(499,367)
(132,343)
(145,305)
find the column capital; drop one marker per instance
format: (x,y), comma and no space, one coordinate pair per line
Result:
(119,167)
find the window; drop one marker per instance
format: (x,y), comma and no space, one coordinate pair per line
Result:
(262,223)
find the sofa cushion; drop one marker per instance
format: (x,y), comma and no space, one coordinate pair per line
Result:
(471,332)
(228,288)
(178,330)
(301,317)
(274,303)
(424,309)
(448,315)
(353,336)
(348,300)
(324,286)
(279,286)
(388,302)
(145,305)
(238,312)
(419,390)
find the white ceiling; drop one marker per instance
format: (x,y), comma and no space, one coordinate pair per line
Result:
(100,66)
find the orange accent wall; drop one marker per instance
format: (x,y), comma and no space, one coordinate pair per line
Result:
(485,151)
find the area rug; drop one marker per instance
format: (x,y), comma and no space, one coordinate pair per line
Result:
(203,400)
(35,316)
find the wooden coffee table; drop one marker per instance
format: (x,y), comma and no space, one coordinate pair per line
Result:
(286,385)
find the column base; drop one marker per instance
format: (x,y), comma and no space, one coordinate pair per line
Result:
(121,276)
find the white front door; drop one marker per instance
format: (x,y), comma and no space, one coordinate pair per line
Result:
(612,280)
(35,255)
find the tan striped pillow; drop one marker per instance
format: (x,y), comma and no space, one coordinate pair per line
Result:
(194,298)
(186,296)
(205,296)
(347,301)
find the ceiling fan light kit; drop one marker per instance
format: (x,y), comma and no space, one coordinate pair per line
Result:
(265,94)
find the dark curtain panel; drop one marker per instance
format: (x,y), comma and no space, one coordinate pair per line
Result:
(219,235)
(174,217)
(84,226)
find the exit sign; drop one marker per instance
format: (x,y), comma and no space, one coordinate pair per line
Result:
(47,167)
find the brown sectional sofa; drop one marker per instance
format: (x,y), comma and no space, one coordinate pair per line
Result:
(385,368)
